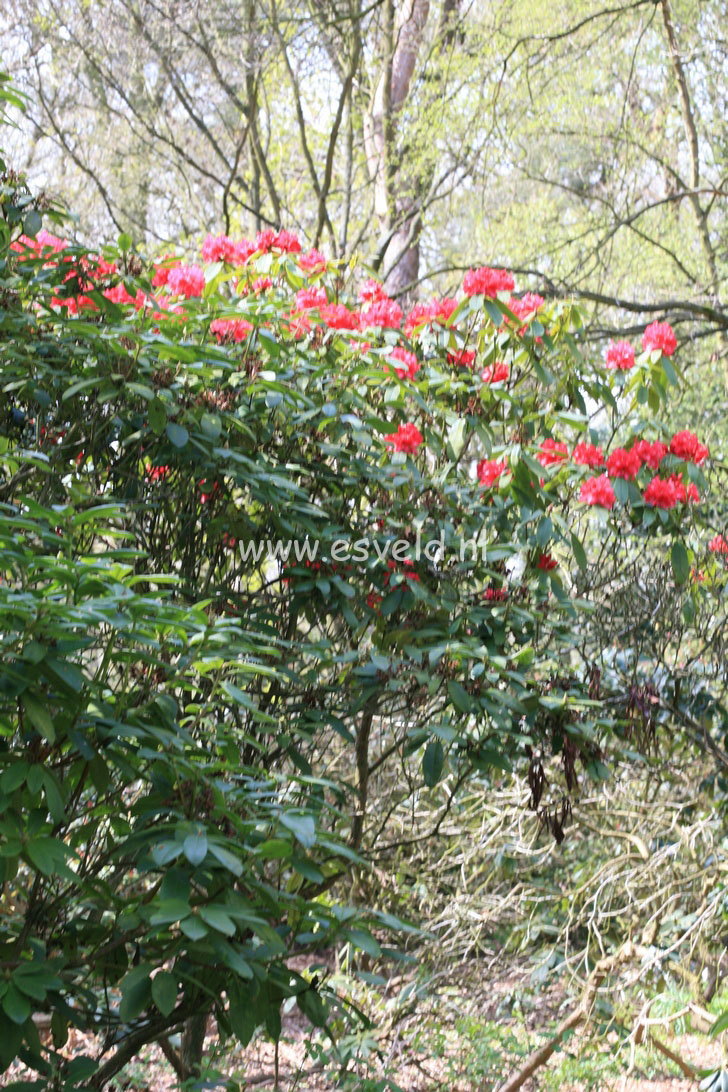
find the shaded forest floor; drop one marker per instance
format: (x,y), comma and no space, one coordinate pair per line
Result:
(462,1031)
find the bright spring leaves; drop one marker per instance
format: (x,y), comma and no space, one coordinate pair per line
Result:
(494,340)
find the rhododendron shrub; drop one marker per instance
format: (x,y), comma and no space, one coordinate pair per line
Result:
(250,538)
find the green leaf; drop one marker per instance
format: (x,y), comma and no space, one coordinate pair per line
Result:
(227,859)
(364,940)
(164,992)
(459,696)
(177,434)
(720,1024)
(16,1005)
(433,761)
(136,992)
(170,910)
(14,776)
(195,846)
(680,562)
(242,1013)
(579,552)
(39,717)
(312,1006)
(45,854)
(193,928)
(124,242)
(303,827)
(211,425)
(157,416)
(32,223)
(274,849)
(217,918)
(11,1041)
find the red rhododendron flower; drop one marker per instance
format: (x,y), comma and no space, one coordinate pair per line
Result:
(687,446)
(230,329)
(407,565)
(338,317)
(219,248)
(287,242)
(462,358)
(718,545)
(260,284)
(407,438)
(119,294)
(161,275)
(186,280)
(620,355)
(384,313)
(527,305)
(624,464)
(598,491)
(693,494)
(489,470)
(487,282)
(588,455)
(441,310)
(495,595)
(546,562)
(94,263)
(157,473)
(417,317)
(313,261)
(665,492)
(297,324)
(660,335)
(650,454)
(678,487)
(309,298)
(210,490)
(42,242)
(552,451)
(408,359)
(73,304)
(372,292)
(495,373)
(244,250)
(265,240)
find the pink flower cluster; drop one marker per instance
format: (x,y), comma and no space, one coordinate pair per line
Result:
(230,330)
(658,335)
(42,242)
(620,355)
(221,248)
(186,280)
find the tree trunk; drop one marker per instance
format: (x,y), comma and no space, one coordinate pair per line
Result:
(396,209)
(193,1042)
